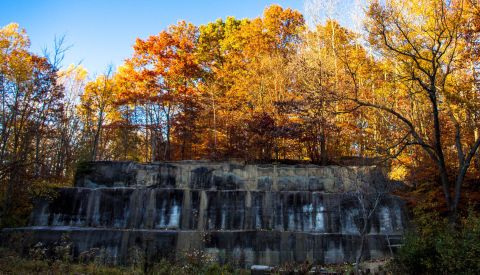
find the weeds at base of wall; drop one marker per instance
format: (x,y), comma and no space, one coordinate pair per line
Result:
(96,261)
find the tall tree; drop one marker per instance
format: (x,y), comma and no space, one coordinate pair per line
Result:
(167,74)
(97,104)
(421,41)
(31,105)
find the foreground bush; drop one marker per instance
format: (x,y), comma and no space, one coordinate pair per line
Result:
(435,247)
(13,263)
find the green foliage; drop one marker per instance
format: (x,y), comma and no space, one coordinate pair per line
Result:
(37,189)
(436,247)
(165,267)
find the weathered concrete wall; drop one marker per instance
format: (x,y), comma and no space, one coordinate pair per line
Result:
(244,248)
(228,176)
(241,214)
(183,209)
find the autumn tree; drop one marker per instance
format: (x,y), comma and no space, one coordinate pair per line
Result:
(97,104)
(471,57)
(211,56)
(246,64)
(69,148)
(421,42)
(166,73)
(31,107)
(316,85)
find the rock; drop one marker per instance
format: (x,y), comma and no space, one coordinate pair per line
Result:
(260,269)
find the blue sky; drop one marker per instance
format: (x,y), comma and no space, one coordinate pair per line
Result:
(102,32)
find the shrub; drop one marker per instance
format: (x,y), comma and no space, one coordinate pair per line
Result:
(436,247)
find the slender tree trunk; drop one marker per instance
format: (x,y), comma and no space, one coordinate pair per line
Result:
(167,146)
(96,138)
(439,152)
(461,177)
(37,153)
(477,154)
(214,127)
(182,151)
(358,259)
(154,146)
(7,198)
(323,148)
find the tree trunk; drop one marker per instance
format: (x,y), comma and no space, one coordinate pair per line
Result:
(167,145)
(154,146)
(439,153)
(323,148)
(96,138)
(477,158)
(358,259)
